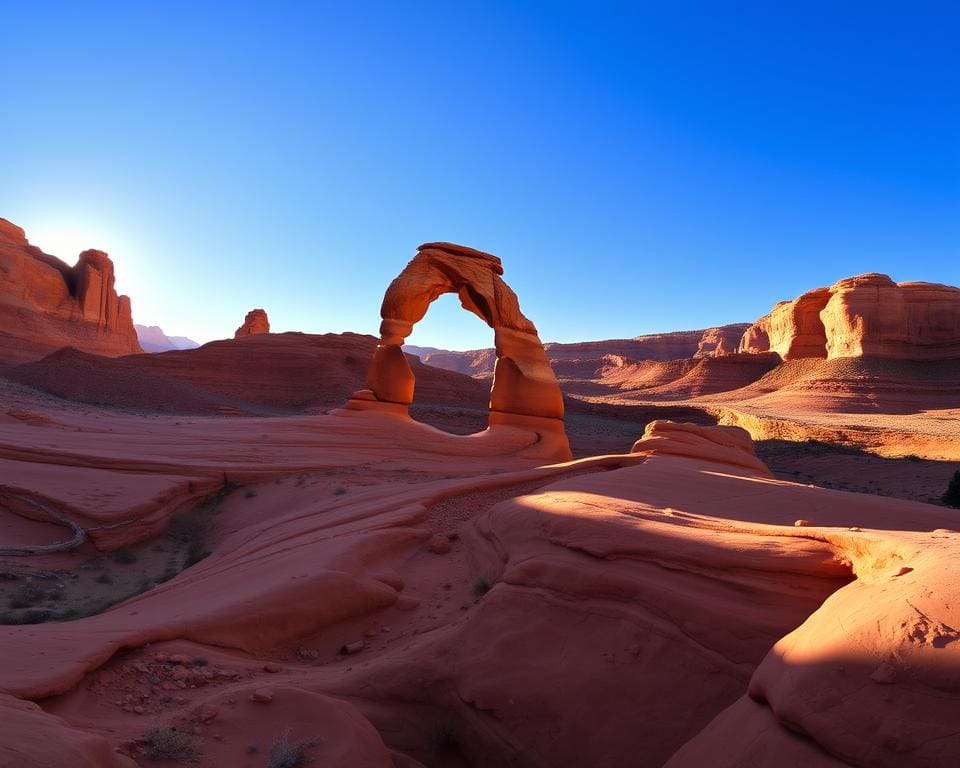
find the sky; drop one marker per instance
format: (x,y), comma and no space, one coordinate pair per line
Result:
(638,167)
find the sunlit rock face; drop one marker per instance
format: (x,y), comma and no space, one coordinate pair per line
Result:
(255,322)
(872,316)
(525,392)
(46,304)
(864,316)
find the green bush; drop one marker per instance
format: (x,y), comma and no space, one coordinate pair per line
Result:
(287,754)
(167,743)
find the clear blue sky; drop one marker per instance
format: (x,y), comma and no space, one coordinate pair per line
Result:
(638,167)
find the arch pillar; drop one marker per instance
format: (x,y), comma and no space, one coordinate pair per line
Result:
(524,393)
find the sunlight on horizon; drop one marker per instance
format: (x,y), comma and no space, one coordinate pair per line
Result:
(66,237)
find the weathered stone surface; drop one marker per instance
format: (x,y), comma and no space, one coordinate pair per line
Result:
(872,316)
(46,304)
(864,316)
(255,322)
(525,390)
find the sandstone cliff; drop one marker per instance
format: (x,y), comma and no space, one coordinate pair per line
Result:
(864,316)
(46,304)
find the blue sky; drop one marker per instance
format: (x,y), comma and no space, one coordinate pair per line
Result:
(638,167)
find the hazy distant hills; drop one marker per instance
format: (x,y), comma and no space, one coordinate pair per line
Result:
(153,339)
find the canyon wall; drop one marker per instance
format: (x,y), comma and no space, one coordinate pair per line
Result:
(46,304)
(864,316)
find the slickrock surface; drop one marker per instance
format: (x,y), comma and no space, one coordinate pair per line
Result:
(255,322)
(46,304)
(670,583)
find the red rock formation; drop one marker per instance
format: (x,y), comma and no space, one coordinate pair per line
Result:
(670,584)
(297,371)
(45,304)
(795,329)
(683,379)
(872,316)
(588,356)
(524,392)
(255,322)
(864,316)
(756,339)
(723,340)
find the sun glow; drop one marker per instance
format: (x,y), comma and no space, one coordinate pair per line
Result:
(67,240)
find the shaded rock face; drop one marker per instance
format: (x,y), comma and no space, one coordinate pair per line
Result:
(864,316)
(524,392)
(46,304)
(255,322)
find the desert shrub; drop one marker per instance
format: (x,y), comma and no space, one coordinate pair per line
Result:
(124,556)
(250,493)
(952,497)
(481,585)
(196,552)
(287,754)
(339,490)
(168,743)
(30,594)
(104,578)
(198,661)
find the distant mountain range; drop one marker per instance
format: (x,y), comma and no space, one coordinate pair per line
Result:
(153,339)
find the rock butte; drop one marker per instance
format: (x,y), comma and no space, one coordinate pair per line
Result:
(524,393)
(46,304)
(864,316)
(255,322)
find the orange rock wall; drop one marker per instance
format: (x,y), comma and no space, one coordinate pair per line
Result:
(46,304)
(864,316)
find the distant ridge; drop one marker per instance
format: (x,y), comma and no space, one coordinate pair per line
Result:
(153,339)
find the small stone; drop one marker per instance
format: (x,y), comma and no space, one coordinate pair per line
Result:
(855,529)
(439,545)
(262,695)
(351,648)
(272,668)
(884,674)
(801,523)
(407,603)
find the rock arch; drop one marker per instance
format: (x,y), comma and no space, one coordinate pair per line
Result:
(525,392)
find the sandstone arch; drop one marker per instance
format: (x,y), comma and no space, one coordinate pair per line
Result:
(525,392)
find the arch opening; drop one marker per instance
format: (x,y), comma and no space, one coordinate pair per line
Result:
(524,392)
